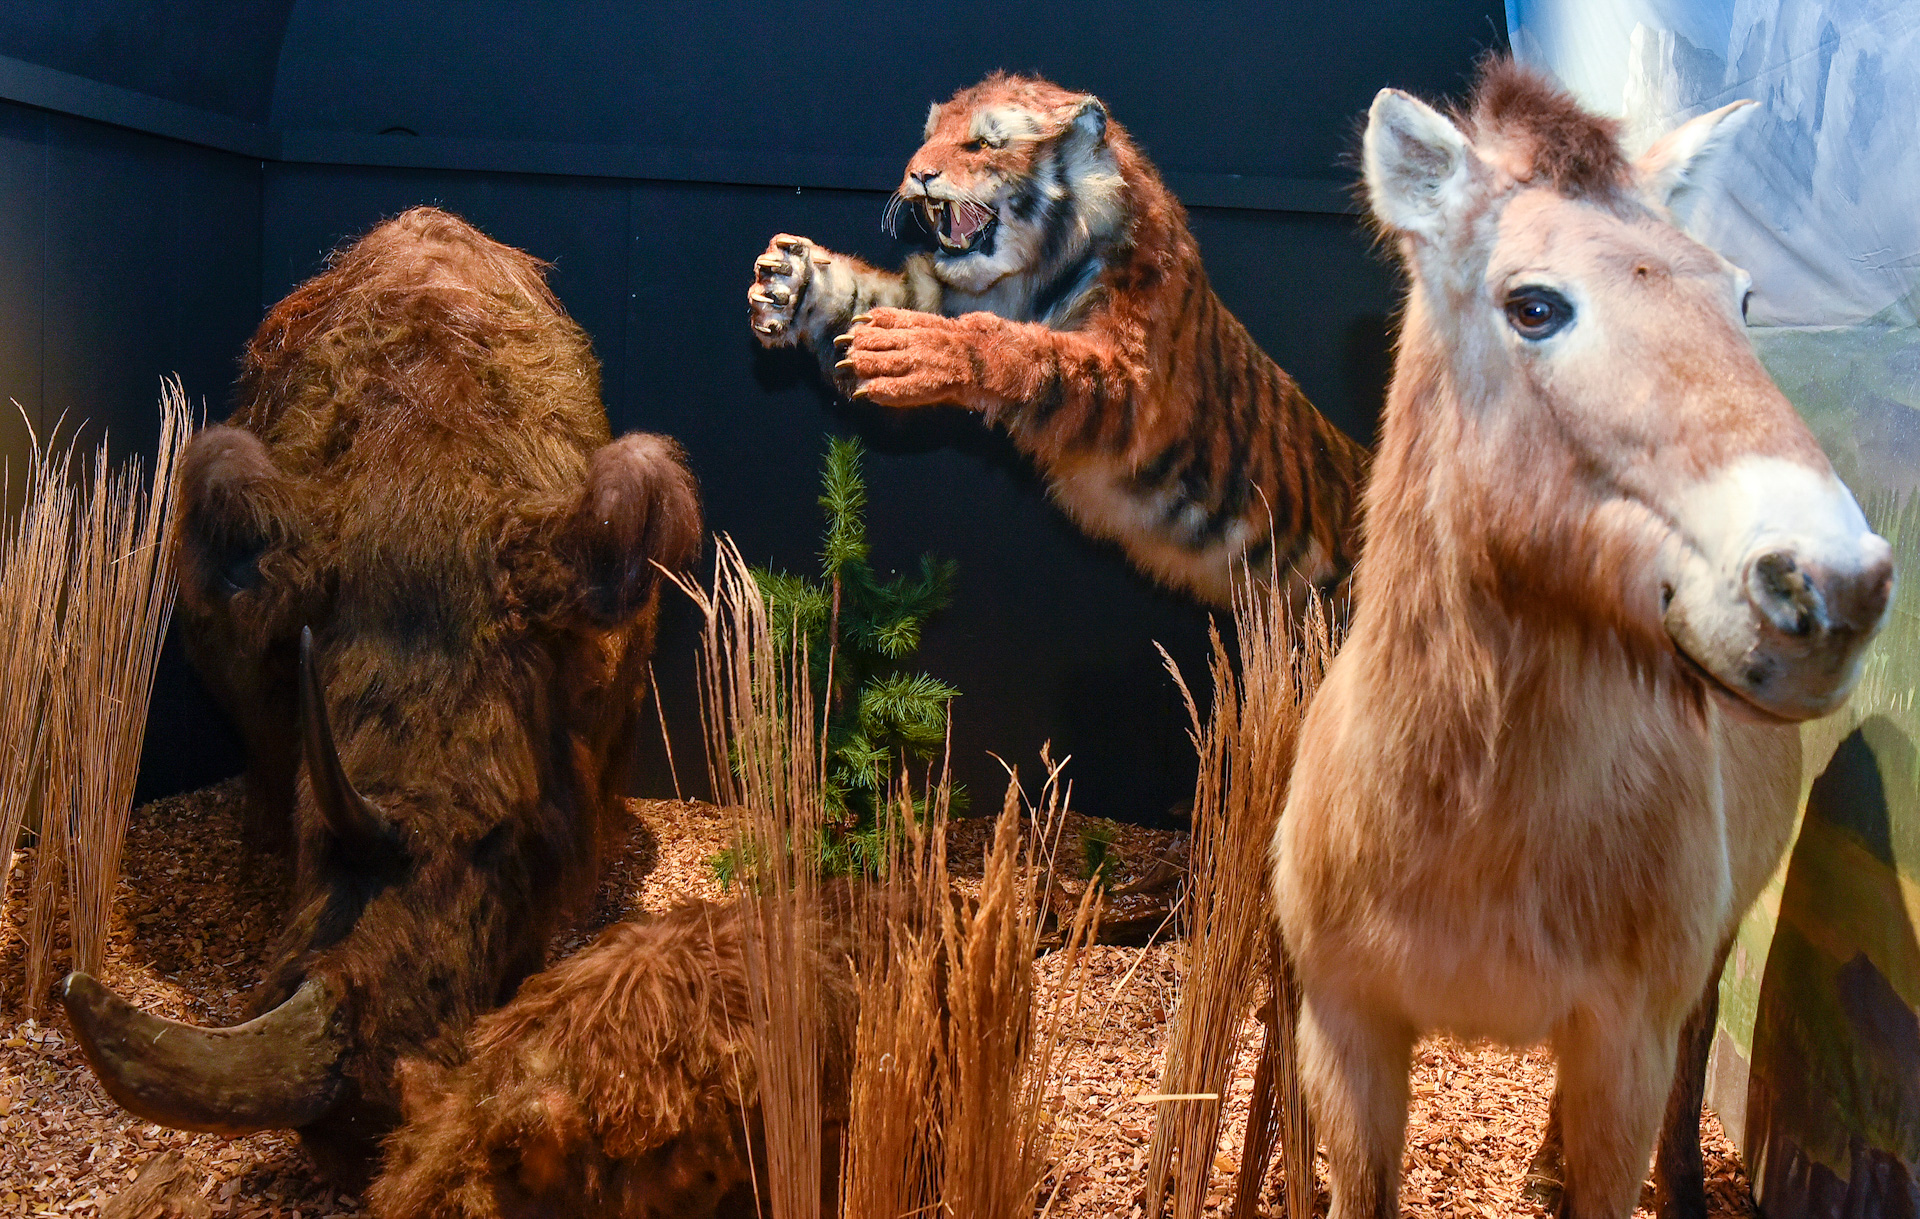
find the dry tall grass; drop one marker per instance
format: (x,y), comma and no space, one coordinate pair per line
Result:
(954,1062)
(894,1160)
(764,757)
(955,1042)
(34,565)
(1246,747)
(1004,1033)
(118,597)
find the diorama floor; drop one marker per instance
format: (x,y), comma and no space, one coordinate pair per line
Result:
(196,914)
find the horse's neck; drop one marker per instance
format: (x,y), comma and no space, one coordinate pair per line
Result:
(1478,682)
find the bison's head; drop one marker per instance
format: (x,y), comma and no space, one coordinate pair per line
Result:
(439,834)
(416,480)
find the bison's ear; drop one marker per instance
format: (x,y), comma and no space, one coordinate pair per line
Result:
(640,506)
(234,505)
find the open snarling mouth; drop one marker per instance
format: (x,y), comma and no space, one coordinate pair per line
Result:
(961,226)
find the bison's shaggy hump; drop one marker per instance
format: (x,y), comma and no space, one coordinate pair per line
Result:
(1575,150)
(617,1084)
(431,395)
(425,312)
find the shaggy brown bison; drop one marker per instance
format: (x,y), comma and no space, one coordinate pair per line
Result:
(620,1084)
(419,469)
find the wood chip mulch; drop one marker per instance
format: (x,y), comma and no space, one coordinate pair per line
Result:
(196,914)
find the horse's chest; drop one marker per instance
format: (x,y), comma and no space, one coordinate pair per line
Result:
(1578,869)
(1588,850)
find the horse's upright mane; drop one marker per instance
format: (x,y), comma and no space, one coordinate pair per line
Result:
(1524,111)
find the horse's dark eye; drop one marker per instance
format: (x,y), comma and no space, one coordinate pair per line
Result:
(1538,312)
(1744,302)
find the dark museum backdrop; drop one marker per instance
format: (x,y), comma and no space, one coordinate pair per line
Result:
(168,168)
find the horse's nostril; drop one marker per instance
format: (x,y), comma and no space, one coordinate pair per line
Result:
(1779,588)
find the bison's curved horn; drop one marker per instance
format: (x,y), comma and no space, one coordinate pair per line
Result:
(359,831)
(274,1072)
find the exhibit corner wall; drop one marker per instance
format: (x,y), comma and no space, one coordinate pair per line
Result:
(649,156)
(1816,1068)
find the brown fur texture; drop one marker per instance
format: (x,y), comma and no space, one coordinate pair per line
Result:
(619,1084)
(419,469)
(1561,144)
(1081,321)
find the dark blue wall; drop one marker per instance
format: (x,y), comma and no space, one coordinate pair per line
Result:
(1268,89)
(124,256)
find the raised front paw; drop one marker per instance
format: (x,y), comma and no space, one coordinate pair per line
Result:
(780,280)
(898,357)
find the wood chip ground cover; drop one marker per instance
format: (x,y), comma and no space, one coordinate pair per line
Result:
(196,915)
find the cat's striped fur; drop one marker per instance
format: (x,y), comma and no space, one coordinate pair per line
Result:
(1067,303)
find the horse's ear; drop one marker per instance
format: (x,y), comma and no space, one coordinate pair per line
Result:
(1675,171)
(1420,168)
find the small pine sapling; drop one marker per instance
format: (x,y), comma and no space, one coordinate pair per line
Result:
(859,632)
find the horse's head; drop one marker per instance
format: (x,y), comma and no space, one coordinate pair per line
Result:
(1612,437)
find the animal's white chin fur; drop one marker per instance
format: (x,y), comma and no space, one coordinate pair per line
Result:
(1729,697)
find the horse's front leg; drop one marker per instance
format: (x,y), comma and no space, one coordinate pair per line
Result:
(1679,1174)
(1616,1070)
(1354,1062)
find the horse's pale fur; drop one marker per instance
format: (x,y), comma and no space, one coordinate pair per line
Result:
(1518,812)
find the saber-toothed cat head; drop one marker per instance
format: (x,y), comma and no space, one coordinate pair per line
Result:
(1016,176)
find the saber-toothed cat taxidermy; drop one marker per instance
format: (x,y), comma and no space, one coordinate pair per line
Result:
(1066,302)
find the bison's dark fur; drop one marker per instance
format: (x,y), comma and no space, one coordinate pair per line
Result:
(419,468)
(619,1084)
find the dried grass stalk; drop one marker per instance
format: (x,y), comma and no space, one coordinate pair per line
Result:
(893,1157)
(1246,748)
(119,598)
(765,758)
(34,557)
(1005,1032)
(955,1041)
(954,1067)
